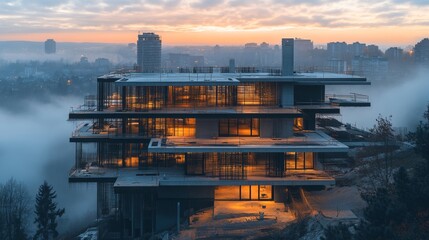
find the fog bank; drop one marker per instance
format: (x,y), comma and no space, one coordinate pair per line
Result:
(34,146)
(405,101)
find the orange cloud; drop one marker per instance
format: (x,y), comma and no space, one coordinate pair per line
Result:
(226,22)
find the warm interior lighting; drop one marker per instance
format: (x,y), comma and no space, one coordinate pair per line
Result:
(298,124)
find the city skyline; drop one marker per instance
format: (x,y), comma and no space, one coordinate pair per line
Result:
(204,22)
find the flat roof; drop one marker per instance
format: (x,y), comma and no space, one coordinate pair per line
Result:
(231,79)
(176,79)
(131,178)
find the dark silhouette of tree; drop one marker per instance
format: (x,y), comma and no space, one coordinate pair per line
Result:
(383,132)
(46,213)
(401,209)
(422,136)
(338,232)
(19,231)
(14,210)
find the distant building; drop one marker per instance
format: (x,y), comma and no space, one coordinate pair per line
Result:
(337,65)
(394,54)
(371,67)
(149,53)
(50,46)
(232,65)
(373,51)
(396,60)
(356,49)
(337,50)
(183,60)
(287,56)
(102,63)
(421,52)
(250,55)
(84,61)
(302,54)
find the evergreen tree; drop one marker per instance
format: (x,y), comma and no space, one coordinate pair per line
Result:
(46,213)
(422,136)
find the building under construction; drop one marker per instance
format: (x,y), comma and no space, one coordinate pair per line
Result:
(162,146)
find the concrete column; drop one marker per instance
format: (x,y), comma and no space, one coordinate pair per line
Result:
(132,216)
(207,128)
(286,95)
(178,217)
(266,128)
(141,216)
(283,127)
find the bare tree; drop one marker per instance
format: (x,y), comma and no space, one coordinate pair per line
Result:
(14,210)
(378,165)
(383,132)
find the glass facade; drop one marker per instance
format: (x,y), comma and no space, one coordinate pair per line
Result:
(244,192)
(245,127)
(139,98)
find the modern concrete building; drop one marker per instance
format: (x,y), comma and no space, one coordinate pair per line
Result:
(162,146)
(149,53)
(50,46)
(287,56)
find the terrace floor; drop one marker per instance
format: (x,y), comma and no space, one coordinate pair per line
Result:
(131,178)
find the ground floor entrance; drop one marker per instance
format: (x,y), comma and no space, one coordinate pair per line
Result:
(244,192)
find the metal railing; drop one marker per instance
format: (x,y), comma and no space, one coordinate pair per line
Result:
(248,141)
(353,97)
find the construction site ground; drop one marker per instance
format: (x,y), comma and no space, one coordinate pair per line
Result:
(238,220)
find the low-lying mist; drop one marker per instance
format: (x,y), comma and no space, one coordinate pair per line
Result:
(405,101)
(34,146)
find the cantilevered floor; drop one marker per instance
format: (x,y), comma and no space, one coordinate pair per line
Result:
(315,141)
(192,112)
(134,178)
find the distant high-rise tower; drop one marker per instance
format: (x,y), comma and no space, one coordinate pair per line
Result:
(149,53)
(421,52)
(287,56)
(50,46)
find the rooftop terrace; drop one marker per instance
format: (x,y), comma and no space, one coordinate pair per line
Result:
(231,79)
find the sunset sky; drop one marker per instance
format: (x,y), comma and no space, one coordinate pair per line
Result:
(208,22)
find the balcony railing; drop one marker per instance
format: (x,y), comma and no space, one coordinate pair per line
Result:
(352,97)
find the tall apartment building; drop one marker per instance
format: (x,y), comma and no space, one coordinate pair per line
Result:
(50,46)
(421,52)
(303,51)
(160,146)
(149,53)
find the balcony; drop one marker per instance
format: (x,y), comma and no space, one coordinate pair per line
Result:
(188,112)
(350,100)
(134,178)
(336,100)
(309,141)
